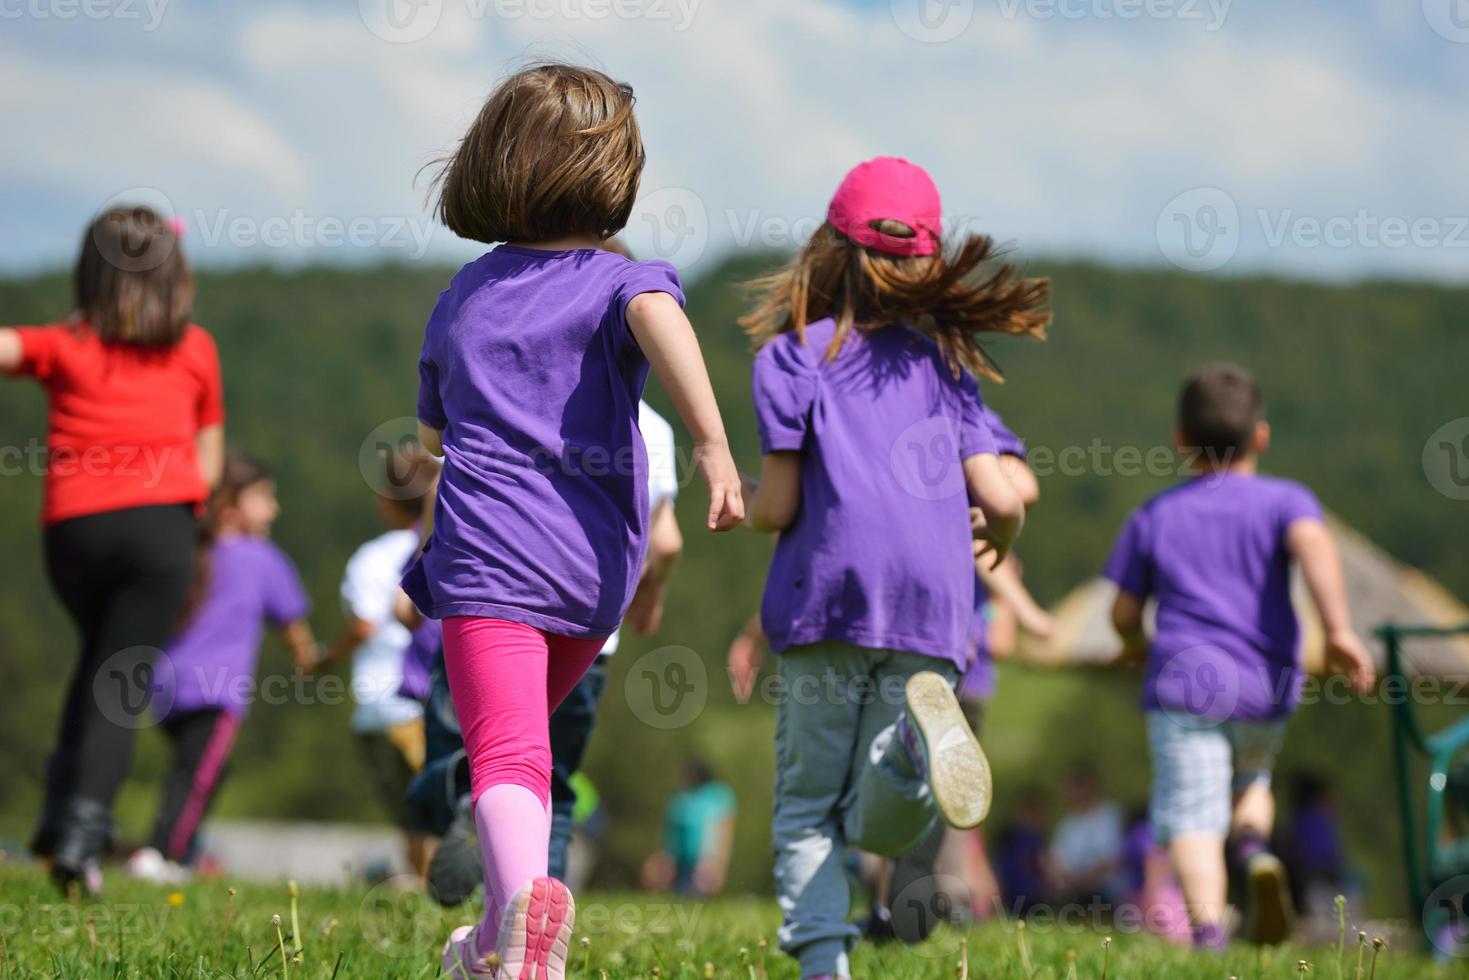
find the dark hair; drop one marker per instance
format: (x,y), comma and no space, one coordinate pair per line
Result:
(1218,410)
(132,283)
(241,471)
(954,296)
(555,151)
(410,475)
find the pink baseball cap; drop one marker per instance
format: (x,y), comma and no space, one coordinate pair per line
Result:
(892,188)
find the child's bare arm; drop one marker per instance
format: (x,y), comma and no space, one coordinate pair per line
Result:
(746,654)
(355,632)
(301,642)
(209,445)
(11,350)
(1022,478)
(1001,512)
(771,502)
(1312,546)
(431,439)
(1004,583)
(667,339)
(1127,620)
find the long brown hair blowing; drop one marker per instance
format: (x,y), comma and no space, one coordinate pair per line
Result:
(133,285)
(954,296)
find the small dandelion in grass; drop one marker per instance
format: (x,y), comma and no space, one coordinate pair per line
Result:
(176,899)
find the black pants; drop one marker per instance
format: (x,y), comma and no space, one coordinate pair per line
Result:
(202,743)
(124,577)
(571,729)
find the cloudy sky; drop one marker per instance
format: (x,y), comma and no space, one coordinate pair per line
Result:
(1325,138)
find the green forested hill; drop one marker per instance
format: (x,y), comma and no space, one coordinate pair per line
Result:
(1356,379)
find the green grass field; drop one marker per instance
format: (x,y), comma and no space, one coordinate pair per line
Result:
(202,931)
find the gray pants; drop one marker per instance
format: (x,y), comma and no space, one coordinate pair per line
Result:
(842,779)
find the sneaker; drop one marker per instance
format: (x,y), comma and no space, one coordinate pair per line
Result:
(877,927)
(918,904)
(456,868)
(535,931)
(1268,921)
(945,752)
(461,955)
(147,864)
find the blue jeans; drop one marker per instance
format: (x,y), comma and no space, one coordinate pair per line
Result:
(842,779)
(571,728)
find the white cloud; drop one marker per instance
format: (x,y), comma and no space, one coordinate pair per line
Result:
(1063,134)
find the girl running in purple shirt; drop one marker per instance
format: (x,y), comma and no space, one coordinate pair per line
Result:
(533,363)
(875,448)
(205,681)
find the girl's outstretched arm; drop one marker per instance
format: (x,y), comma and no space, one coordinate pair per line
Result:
(667,339)
(1001,512)
(10,350)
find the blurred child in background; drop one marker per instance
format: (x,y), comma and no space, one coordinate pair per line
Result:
(134,442)
(206,679)
(1223,671)
(875,448)
(698,831)
(387,725)
(532,367)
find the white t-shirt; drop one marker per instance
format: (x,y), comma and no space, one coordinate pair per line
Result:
(662,472)
(1084,841)
(369,592)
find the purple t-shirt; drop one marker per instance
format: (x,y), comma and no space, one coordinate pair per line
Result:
(530,370)
(1213,551)
(978,682)
(879,554)
(211,664)
(420,659)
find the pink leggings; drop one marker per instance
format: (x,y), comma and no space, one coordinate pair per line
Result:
(506,679)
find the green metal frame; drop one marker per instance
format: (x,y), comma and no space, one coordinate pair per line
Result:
(1425,861)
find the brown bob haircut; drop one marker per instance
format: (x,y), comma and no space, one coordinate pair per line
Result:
(1218,409)
(555,151)
(954,296)
(132,283)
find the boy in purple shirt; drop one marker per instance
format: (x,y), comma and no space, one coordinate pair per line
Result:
(205,680)
(1223,670)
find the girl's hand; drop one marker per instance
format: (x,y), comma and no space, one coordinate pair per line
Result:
(992,542)
(746,654)
(722,477)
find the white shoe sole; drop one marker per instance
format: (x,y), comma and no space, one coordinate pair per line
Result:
(958,772)
(535,932)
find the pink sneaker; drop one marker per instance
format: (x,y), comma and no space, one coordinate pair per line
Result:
(534,941)
(535,931)
(461,959)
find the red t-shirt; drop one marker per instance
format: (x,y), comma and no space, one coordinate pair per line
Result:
(123,418)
